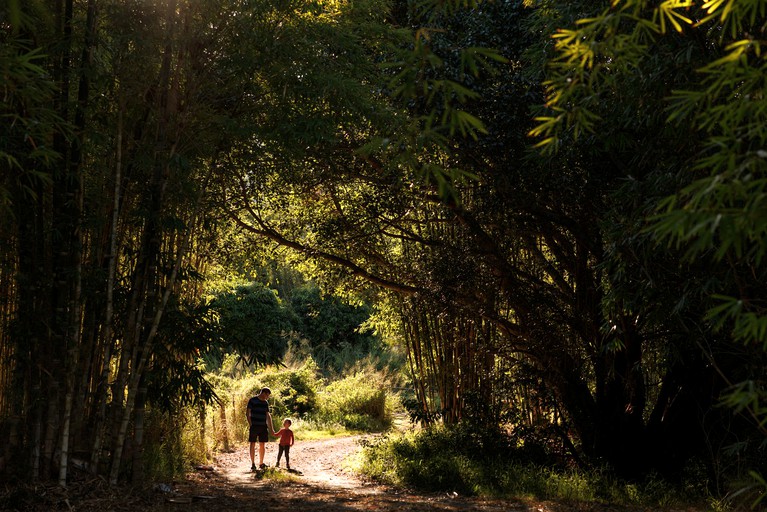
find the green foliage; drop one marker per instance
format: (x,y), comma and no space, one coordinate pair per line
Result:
(173,443)
(294,391)
(451,459)
(252,323)
(709,59)
(256,324)
(27,121)
(433,76)
(723,102)
(176,378)
(358,402)
(332,327)
(425,460)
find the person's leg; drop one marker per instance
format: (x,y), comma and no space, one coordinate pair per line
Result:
(263,437)
(261,452)
(287,456)
(279,455)
(252,440)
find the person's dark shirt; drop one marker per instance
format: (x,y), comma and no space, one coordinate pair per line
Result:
(258,410)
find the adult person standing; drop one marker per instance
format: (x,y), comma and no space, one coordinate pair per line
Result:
(260,422)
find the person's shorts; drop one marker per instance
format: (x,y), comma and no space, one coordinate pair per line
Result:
(258,433)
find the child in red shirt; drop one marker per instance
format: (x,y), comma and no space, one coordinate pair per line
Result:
(286,441)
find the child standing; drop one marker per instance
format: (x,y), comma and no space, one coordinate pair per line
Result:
(286,441)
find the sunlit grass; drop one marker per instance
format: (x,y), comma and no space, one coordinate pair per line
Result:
(275,475)
(358,402)
(307,430)
(433,461)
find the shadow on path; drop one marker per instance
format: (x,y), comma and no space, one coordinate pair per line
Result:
(325,484)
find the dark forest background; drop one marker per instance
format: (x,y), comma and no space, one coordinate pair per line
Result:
(558,206)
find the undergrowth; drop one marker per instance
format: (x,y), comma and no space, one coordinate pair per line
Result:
(359,401)
(457,459)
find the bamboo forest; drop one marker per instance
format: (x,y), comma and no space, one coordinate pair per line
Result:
(508,253)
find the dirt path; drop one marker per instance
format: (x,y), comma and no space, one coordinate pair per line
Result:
(324,485)
(320,463)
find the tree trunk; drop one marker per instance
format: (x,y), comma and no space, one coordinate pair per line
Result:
(51,424)
(102,386)
(36,438)
(66,421)
(33,274)
(73,333)
(224,428)
(138,473)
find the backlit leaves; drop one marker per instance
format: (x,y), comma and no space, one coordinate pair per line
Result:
(721,215)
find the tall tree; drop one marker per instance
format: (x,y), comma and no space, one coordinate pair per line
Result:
(550,251)
(657,83)
(118,113)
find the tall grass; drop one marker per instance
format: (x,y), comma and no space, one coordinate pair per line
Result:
(450,459)
(318,406)
(358,402)
(173,442)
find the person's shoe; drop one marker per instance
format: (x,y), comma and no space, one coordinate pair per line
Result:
(262,466)
(277,465)
(253,467)
(288,467)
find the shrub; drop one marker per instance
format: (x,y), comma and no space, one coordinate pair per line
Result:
(444,458)
(226,422)
(358,402)
(419,460)
(294,391)
(172,442)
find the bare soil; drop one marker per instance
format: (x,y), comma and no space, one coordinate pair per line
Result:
(322,482)
(325,484)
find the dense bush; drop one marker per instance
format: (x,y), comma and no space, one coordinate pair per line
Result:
(358,402)
(253,323)
(461,459)
(329,322)
(172,442)
(259,325)
(294,393)
(294,390)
